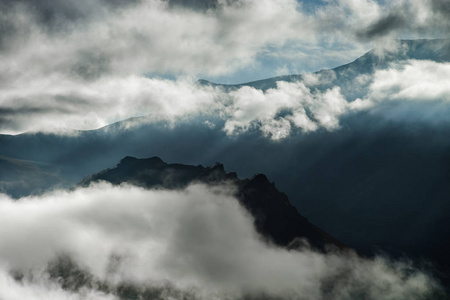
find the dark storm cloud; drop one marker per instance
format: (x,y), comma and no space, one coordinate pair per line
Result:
(195,4)
(8,115)
(383,26)
(441,6)
(91,65)
(54,13)
(409,16)
(7,32)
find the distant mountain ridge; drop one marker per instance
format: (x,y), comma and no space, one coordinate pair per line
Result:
(374,184)
(275,217)
(343,76)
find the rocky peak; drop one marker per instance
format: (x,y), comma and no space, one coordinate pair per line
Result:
(274,216)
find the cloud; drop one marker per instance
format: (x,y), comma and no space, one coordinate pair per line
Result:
(197,4)
(290,104)
(91,38)
(413,80)
(150,37)
(84,65)
(372,20)
(409,91)
(384,25)
(275,112)
(198,241)
(41,288)
(49,108)
(92,105)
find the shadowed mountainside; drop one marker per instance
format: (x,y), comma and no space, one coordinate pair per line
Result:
(375,184)
(275,217)
(22,177)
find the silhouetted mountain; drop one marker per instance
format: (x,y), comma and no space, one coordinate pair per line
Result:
(375,184)
(275,217)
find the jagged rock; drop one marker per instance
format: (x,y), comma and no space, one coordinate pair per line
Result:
(274,216)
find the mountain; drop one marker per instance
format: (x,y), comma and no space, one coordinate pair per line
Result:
(275,217)
(22,178)
(374,184)
(68,153)
(344,76)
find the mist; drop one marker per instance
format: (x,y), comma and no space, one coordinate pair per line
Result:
(63,59)
(362,149)
(198,241)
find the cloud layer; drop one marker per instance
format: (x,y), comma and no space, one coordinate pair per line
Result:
(198,241)
(90,38)
(391,93)
(88,63)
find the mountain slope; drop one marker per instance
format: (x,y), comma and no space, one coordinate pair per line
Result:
(22,177)
(374,183)
(275,217)
(344,76)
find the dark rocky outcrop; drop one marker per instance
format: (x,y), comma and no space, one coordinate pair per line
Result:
(275,217)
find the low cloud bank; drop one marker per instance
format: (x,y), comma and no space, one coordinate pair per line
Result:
(107,101)
(412,80)
(84,62)
(106,242)
(397,93)
(412,91)
(289,105)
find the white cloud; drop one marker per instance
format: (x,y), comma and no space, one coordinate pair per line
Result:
(410,91)
(413,80)
(88,73)
(147,36)
(108,100)
(284,70)
(70,105)
(276,112)
(306,109)
(199,240)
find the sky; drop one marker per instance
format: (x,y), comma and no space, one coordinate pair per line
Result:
(85,64)
(76,58)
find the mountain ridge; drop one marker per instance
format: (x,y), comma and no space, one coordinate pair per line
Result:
(274,216)
(374,184)
(378,58)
